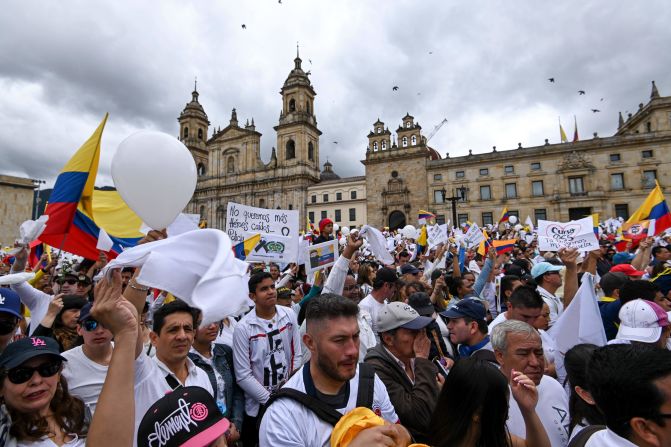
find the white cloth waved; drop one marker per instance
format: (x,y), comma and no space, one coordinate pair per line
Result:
(376,244)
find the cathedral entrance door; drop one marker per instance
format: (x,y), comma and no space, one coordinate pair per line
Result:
(396,220)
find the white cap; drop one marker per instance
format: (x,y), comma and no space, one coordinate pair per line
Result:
(642,321)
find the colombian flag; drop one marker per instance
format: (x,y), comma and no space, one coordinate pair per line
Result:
(504,246)
(241,249)
(654,207)
(71,226)
(595,224)
(505,217)
(425,215)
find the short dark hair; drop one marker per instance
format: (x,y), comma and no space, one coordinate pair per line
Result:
(169,309)
(657,249)
(638,288)
(526,296)
(507,282)
(256,279)
(482,324)
(621,380)
(404,253)
(328,306)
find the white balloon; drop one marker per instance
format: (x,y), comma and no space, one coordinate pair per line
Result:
(517,227)
(344,231)
(155,175)
(342,241)
(512,220)
(409,232)
(336,227)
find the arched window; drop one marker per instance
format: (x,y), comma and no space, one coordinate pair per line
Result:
(379,130)
(375,146)
(292,105)
(262,203)
(384,145)
(407,125)
(307,106)
(404,142)
(291,149)
(221,217)
(186,132)
(230,165)
(311,151)
(201,169)
(200,134)
(413,140)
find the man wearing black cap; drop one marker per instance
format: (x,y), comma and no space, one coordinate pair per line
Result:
(384,288)
(467,324)
(401,360)
(10,314)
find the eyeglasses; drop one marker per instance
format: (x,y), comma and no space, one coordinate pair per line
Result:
(7,326)
(72,282)
(90,325)
(83,283)
(22,374)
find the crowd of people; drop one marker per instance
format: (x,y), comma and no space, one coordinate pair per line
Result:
(441,347)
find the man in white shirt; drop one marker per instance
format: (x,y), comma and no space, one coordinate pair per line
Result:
(524,304)
(518,347)
(331,376)
(632,388)
(266,350)
(549,280)
(384,288)
(86,368)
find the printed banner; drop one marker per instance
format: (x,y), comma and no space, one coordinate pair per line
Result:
(321,256)
(278,230)
(473,236)
(436,235)
(574,234)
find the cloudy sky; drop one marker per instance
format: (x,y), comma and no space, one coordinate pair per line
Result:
(483,65)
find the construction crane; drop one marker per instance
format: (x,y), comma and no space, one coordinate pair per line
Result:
(436,129)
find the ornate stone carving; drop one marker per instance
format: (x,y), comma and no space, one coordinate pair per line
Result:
(576,160)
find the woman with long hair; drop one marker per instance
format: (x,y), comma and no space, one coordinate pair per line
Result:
(42,411)
(365,278)
(472,408)
(581,404)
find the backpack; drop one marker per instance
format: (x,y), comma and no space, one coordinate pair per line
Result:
(581,438)
(364,397)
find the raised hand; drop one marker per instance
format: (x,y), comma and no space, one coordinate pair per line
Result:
(524,391)
(111,309)
(422,345)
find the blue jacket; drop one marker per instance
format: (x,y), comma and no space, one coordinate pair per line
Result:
(223,361)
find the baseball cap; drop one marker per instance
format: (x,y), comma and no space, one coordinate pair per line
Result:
(400,315)
(83,278)
(642,320)
(285,292)
(542,268)
(386,274)
(627,269)
(15,354)
(409,268)
(10,303)
(85,313)
(187,417)
(613,281)
(468,307)
(663,281)
(623,258)
(421,302)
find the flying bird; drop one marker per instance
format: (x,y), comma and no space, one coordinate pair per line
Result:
(309,72)
(595,110)
(244,26)
(335,142)
(551,80)
(279,1)
(310,60)
(394,88)
(430,52)
(581,92)
(601,99)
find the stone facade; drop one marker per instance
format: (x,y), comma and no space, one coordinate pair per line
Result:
(610,176)
(345,202)
(16,206)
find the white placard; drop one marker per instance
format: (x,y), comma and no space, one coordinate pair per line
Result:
(473,236)
(574,234)
(321,256)
(435,235)
(273,248)
(279,226)
(104,241)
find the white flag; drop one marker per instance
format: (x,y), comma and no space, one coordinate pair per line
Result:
(104,241)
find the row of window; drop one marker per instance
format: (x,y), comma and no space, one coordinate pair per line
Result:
(535,166)
(487,217)
(404,143)
(325,197)
(186,133)
(291,150)
(337,216)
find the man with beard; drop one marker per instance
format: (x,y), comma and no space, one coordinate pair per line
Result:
(518,347)
(332,377)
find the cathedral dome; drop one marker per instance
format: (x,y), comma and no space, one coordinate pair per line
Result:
(194,109)
(327,173)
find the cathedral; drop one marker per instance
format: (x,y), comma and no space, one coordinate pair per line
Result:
(229,162)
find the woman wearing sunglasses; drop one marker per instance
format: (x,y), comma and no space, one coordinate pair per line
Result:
(42,411)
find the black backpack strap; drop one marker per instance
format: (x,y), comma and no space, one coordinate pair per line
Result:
(486,355)
(581,438)
(172,382)
(319,408)
(364,397)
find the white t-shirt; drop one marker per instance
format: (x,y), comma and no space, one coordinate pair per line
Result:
(305,428)
(225,336)
(607,438)
(46,442)
(84,376)
(552,410)
(220,392)
(500,318)
(370,305)
(554,303)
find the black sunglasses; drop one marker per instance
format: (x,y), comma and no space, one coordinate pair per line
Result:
(72,282)
(90,325)
(22,374)
(7,326)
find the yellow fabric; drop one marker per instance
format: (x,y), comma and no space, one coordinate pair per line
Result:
(86,160)
(562,134)
(643,212)
(351,424)
(423,237)
(113,215)
(250,243)
(38,276)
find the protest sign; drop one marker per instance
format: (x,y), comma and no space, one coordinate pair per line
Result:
(473,236)
(320,256)
(573,234)
(638,230)
(435,235)
(278,230)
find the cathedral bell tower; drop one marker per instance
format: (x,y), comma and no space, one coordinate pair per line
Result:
(193,127)
(297,132)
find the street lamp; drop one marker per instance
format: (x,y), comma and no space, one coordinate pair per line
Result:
(461,194)
(36,196)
